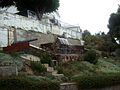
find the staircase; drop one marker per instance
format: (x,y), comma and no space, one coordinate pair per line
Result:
(52,71)
(29,58)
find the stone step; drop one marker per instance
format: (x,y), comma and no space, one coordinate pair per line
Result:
(30,57)
(50,69)
(58,75)
(54,72)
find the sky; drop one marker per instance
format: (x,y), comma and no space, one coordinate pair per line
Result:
(91,15)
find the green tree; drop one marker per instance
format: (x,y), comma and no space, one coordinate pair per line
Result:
(114,25)
(38,6)
(86,32)
(6,3)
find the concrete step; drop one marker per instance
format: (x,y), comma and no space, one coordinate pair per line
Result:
(54,72)
(58,75)
(50,69)
(30,57)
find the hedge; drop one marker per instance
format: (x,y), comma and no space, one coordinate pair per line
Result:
(98,81)
(25,83)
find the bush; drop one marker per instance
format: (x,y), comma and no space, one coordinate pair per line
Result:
(91,56)
(45,58)
(97,81)
(25,83)
(37,67)
(60,70)
(104,54)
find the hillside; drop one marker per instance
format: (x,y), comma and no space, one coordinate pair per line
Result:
(84,68)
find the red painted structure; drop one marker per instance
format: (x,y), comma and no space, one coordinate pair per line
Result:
(19,46)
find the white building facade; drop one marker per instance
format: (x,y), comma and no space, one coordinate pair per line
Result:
(9,22)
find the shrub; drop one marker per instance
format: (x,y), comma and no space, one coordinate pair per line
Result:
(104,54)
(37,67)
(97,81)
(91,56)
(45,58)
(40,78)
(24,83)
(60,70)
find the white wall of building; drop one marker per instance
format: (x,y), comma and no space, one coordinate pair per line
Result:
(17,21)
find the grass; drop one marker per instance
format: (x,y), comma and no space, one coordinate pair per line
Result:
(104,73)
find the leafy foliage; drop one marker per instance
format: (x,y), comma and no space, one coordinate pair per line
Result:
(92,41)
(97,81)
(39,78)
(100,42)
(25,83)
(104,54)
(38,67)
(60,70)
(5,3)
(114,25)
(45,57)
(107,46)
(38,6)
(86,32)
(91,56)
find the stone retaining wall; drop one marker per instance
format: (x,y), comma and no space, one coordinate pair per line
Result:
(8,70)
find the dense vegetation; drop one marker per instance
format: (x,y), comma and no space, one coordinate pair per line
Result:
(99,41)
(91,56)
(114,25)
(84,68)
(97,81)
(25,83)
(38,67)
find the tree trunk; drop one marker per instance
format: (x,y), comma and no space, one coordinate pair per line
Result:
(39,14)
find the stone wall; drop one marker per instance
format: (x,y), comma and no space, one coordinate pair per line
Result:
(42,38)
(8,70)
(66,58)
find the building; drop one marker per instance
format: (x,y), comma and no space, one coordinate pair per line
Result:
(12,27)
(67,39)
